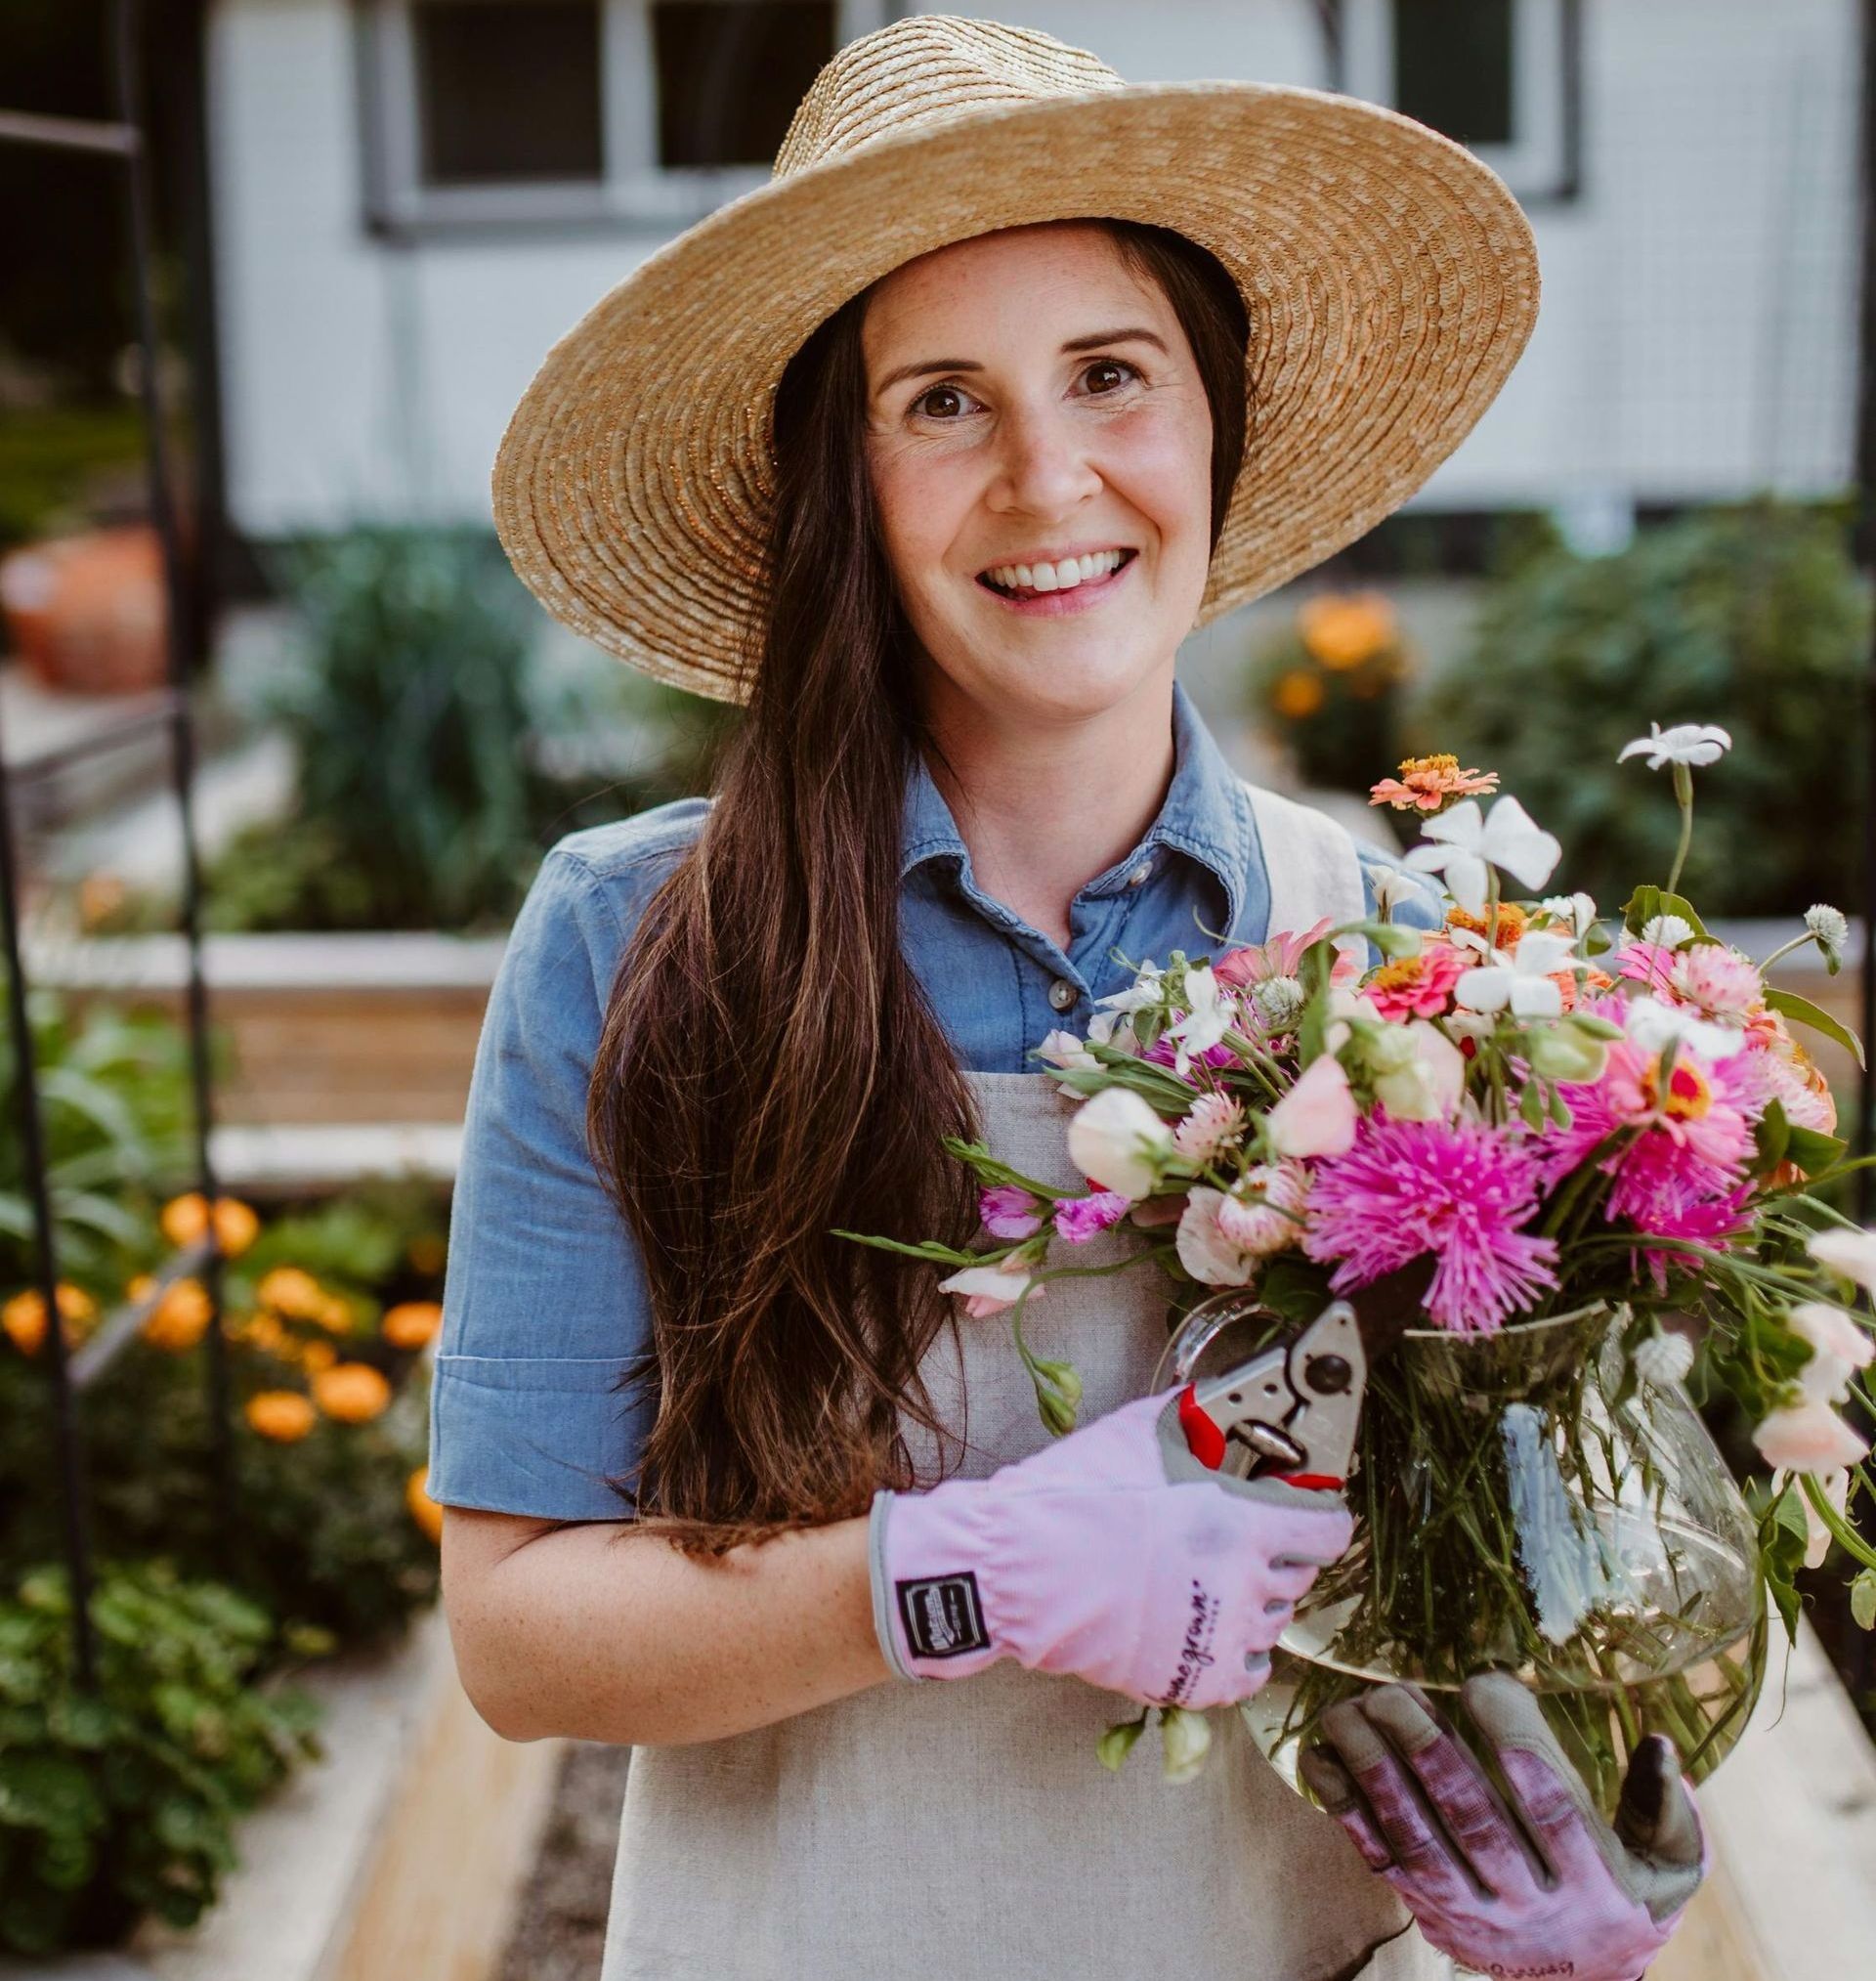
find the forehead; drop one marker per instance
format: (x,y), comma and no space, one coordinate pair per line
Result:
(1026,283)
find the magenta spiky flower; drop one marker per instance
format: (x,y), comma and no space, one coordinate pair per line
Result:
(1460,1192)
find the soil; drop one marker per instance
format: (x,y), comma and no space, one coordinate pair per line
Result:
(560,1928)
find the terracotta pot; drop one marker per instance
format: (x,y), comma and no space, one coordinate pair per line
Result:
(87,613)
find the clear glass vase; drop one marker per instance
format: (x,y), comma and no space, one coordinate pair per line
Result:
(1524,1500)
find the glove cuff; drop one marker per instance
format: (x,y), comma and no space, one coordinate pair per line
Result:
(924,1551)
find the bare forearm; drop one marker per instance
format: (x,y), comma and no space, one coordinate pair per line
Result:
(596,1633)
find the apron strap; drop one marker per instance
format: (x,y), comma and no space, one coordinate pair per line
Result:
(1313,865)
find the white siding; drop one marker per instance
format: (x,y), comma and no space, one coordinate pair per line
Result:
(1697,337)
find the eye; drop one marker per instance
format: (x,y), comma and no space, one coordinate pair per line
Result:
(942,402)
(1108,375)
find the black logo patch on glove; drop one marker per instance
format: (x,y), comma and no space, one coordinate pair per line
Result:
(943,1615)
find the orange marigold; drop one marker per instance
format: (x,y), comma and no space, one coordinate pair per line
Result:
(317,1355)
(1512,924)
(23,1317)
(335,1314)
(1429,784)
(424,1509)
(185,1219)
(411,1322)
(353,1392)
(284,1415)
(1297,694)
(1344,629)
(180,1318)
(287,1290)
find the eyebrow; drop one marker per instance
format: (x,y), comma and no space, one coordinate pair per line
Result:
(1092,342)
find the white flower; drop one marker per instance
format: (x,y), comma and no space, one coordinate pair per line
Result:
(1212,1123)
(1663,1359)
(1208,1017)
(1686,743)
(1065,1049)
(1206,1250)
(1467,839)
(1851,1253)
(988,1289)
(1576,912)
(1836,1489)
(1808,1437)
(1146,989)
(1279,1001)
(1395,889)
(1666,931)
(1185,1738)
(1520,978)
(1652,1022)
(1118,1142)
(1829,926)
(1838,1348)
(1115,1030)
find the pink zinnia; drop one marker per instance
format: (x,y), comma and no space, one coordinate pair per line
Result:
(1280,956)
(1460,1192)
(1077,1218)
(1647,963)
(1417,986)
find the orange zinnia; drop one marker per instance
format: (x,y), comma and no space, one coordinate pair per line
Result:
(1429,784)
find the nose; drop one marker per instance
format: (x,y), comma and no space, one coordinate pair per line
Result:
(1044,469)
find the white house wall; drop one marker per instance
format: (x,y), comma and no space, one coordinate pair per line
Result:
(1697,337)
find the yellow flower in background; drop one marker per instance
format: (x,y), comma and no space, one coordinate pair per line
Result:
(185,1219)
(287,1290)
(1342,630)
(23,1317)
(411,1322)
(180,1318)
(1298,695)
(424,1509)
(284,1415)
(351,1392)
(426,1253)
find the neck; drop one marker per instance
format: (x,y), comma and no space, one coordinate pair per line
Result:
(1045,807)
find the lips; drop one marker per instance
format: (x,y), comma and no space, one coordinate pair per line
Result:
(1043,576)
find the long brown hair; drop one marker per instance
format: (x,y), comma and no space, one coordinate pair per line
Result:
(770,1068)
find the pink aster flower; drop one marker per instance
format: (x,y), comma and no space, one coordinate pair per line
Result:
(1010,1212)
(1077,1218)
(1459,1191)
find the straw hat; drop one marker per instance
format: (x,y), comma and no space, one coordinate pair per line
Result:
(1390,278)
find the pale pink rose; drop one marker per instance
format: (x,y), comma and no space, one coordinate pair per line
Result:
(1808,1437)
(1317,1117)
(1204,1249)
(1117,1141)
(1262,1213)
(988,1289)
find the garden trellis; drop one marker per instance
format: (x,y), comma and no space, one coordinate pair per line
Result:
(120,143)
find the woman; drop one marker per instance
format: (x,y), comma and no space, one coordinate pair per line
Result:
(935,463)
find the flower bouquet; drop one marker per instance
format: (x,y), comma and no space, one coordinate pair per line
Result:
(1587,1157)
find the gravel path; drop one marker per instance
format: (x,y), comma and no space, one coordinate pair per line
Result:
(561,1926)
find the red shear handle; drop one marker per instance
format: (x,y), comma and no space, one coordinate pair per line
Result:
(1207,1444)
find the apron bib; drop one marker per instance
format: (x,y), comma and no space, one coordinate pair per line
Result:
(963,1829)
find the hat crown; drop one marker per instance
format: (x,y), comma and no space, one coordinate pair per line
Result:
(928,68)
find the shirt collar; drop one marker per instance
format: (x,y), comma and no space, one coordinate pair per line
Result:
(1204,814)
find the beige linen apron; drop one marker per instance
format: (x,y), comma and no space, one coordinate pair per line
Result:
(964,1831)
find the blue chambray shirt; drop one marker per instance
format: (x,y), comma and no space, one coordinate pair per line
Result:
(544,1302)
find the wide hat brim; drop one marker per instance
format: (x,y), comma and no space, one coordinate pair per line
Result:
(1390,278)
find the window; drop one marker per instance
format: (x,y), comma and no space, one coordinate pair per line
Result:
(1501,76)
(640,113)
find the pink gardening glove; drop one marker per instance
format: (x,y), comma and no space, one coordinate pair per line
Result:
(1551,1889)
(1113,1554)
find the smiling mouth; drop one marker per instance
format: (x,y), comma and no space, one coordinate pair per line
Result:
(1035,581)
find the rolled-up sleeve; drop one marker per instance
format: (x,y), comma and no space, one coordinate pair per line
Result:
(545,1310)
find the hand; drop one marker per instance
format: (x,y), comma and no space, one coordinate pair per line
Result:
(1549,1890)
(1113,1554)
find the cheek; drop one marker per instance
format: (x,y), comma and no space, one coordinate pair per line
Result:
(1162,464)
(923,496)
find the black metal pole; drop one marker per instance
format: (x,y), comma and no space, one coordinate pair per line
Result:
(128,81)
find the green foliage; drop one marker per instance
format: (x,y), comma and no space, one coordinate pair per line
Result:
(123,1801)
(1752,618)
(115,1109)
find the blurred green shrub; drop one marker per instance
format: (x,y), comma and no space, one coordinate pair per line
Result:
(1327,688)
(1751,616)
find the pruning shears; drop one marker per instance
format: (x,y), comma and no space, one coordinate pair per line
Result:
(1291,1410)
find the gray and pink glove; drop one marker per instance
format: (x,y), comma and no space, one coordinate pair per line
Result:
(1113,1555)
(1551,1889)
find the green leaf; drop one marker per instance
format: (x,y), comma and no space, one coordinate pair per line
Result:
(1312,972)
(1391,938)
(1812,1150)
(1802,1012)
(926,1248)
(1862,1600)
(1646,903)
(1113,1746)
(1772,1134)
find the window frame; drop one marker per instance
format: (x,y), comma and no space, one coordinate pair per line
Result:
(632,191)
(1542,165)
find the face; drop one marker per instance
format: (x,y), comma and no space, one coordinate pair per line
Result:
(1040,443)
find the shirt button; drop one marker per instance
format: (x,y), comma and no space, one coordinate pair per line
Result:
(1062,994)
(1140,875)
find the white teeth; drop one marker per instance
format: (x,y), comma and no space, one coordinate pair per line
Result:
(1065,576)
